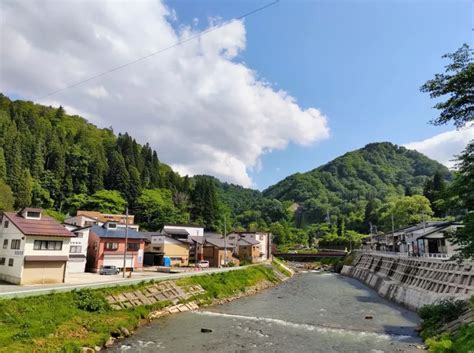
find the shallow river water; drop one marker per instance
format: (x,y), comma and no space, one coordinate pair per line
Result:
(311,312)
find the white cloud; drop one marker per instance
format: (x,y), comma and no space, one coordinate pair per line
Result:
(202,108)
(445,146)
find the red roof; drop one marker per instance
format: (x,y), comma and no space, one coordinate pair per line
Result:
(44,226)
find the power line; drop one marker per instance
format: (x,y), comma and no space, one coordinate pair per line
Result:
(117,68)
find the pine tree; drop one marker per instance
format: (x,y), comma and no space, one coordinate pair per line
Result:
(38,162)
(23,193)
(3,166)
(135,189)
(117,177)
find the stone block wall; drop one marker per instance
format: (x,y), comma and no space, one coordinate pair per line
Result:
(413,282)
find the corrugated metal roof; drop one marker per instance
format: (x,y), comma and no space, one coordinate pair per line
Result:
(102,232)
(46,226)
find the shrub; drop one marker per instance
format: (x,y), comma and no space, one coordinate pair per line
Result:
(435,315)
(91,301)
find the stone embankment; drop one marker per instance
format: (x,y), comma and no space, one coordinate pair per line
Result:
(413,282)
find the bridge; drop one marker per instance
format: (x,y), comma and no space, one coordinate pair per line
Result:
(308,256)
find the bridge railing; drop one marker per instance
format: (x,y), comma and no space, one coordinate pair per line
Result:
(404,254)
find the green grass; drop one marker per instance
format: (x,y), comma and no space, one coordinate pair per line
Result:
(278,265)
(227,284)
(66,322)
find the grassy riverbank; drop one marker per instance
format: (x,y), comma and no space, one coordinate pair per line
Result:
(436,315)
(66,322)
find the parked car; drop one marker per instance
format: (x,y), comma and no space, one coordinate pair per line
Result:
(109,270)
(203,264)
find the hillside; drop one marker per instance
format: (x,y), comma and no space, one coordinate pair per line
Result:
(344,185)
(60,162)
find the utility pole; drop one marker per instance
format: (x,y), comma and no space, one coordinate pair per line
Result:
(225,240)
(126,243)
(393,232)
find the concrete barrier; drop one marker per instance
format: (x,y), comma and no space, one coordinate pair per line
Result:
(413,282)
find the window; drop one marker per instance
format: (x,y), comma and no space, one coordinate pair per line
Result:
(33,214)
(48,245)
(5,243)
(111,225)
(133,246)
(15,244)
(10,262)
(111,246)
(6,224)
(2,261)
(75,249)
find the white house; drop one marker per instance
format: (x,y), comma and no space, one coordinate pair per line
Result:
(194,231)
(90,218)
(78,248)
(34,248)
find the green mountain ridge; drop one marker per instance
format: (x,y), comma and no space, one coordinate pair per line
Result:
(344,185)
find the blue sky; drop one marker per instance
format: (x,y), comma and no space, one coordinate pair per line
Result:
(360,62)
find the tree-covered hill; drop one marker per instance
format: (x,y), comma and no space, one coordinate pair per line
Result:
(344,185)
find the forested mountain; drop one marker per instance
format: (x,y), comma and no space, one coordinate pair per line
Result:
(345,185)
(62,163)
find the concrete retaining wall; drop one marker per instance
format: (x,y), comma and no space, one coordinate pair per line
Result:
(413,282)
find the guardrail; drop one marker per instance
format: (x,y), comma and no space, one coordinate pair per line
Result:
(404,254)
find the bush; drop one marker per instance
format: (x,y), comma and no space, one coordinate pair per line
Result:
(91,301)
(436,315)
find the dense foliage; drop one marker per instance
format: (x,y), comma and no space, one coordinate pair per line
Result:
(456,85)
(350,183)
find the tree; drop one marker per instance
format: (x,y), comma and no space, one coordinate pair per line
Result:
(6,197)
(155,207)
(462,194)
(3,166)
(406,210)
(23,193)
(106,201)
(117,177)
(458,84)
(205,207)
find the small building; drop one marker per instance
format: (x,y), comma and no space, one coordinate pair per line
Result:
(90,218)
(35,248)
(249,250)
(159,245)
(217,252)
(107,247)
(263,239)
(78,248)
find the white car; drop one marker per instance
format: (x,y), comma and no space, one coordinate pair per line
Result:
(203,264)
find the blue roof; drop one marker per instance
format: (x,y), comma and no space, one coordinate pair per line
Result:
(102,232)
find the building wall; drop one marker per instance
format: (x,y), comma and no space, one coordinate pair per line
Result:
(193,231)
(249,253)
(98,256)
(8,273)
(77,264)
(13,274)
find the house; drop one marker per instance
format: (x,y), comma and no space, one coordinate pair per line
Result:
(217,252)
(428,239)
(159,245)
(89,218)
(194,234)
(107,247)
(35,248)
(249,250)
(263,239)
(78,248)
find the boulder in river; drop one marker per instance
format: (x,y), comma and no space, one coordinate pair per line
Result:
(206,330)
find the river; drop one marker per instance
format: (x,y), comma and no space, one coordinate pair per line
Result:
(311,312)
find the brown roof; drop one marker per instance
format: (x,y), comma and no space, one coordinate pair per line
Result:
(107,217)
(46,226)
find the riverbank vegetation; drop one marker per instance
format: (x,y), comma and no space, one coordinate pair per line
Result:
(66,322)
(435,316)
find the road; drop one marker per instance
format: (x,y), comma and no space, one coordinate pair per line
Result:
(10,290)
